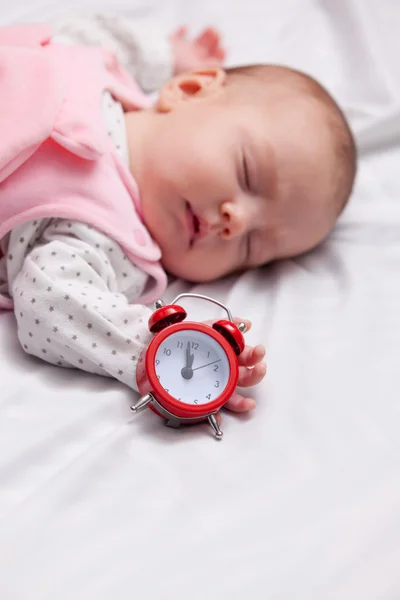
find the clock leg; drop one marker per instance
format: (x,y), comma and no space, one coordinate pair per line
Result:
(214,424)
(174,423)
(142,403)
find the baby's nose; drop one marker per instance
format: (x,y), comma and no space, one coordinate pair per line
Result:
(233,220)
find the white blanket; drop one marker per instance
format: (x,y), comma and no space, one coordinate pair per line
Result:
(301,500)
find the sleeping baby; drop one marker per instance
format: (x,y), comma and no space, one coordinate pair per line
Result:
(104,191)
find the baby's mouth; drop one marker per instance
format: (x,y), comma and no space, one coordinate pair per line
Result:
(193,224)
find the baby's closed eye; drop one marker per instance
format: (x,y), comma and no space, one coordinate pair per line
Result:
(246,174)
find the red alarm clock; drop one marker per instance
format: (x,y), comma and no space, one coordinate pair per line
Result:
(189,370)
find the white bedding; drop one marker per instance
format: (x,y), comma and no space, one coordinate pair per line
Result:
(302,499)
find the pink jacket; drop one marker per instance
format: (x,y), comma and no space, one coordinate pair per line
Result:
(55,156)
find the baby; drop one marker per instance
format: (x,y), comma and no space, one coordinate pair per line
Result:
(227,170)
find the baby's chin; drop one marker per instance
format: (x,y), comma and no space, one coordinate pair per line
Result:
(188,272)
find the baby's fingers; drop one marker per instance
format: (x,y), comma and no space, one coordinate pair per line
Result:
(208,39)
(179,33)
(251,356)
(239,404)
(220,54)
(249,377)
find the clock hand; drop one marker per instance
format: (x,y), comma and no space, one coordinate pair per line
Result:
(189,357)
(207,365)
(187,371)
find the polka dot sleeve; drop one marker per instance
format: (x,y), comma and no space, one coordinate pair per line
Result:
(71,302)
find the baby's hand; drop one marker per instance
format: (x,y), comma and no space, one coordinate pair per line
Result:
(204,51)
(251,371)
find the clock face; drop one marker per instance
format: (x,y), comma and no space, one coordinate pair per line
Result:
(192,367)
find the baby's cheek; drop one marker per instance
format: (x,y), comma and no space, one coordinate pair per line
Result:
(208,265)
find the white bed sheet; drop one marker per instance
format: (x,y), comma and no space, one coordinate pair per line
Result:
(301,500)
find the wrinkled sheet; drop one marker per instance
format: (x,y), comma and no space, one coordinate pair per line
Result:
(301,500)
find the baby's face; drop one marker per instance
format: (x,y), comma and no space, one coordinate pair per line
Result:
(231,185)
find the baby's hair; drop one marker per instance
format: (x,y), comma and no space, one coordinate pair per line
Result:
(345,151)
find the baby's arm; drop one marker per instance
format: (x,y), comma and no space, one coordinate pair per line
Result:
(144,47)
(70,300)
(71,304)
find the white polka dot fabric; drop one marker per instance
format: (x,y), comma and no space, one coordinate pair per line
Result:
(114,121)
(74,298)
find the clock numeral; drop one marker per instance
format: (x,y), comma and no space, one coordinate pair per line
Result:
(166,389)
(179,344)
(195,345)
(167,351)
(157,362)
(158,377)
(208,396)
(208,354)
(195,401)
(216,384)
(216,367)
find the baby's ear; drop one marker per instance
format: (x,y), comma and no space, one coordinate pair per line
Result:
(188,86)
